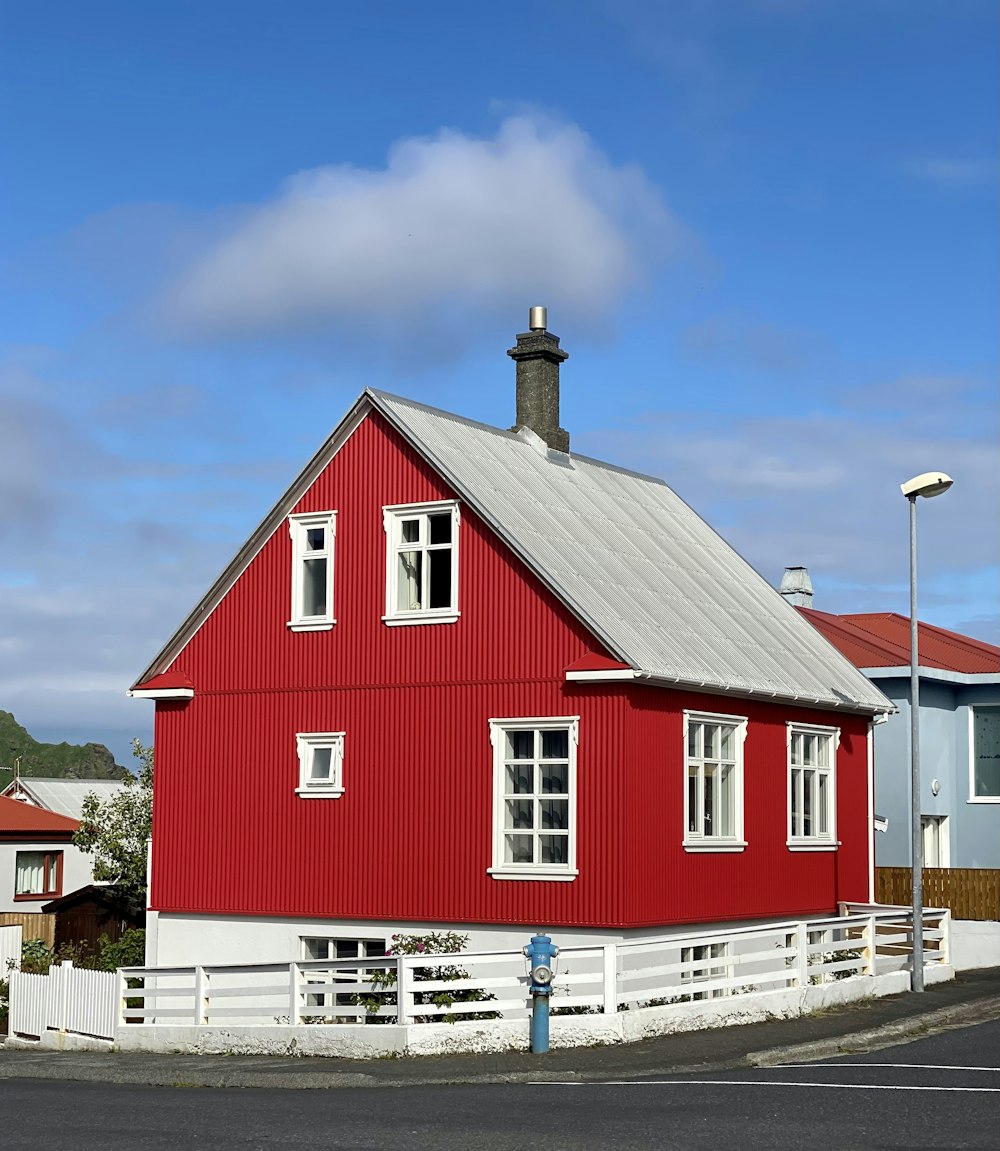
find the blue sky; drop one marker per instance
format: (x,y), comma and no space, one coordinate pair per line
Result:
(765,230)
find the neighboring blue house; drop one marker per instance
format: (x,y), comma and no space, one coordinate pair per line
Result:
(959,731)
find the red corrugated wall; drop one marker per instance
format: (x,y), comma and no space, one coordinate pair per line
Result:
(411,837)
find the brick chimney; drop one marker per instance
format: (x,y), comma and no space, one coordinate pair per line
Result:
(538,357)
(796,587)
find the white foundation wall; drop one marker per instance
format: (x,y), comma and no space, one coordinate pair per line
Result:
(975,944)
(181,940)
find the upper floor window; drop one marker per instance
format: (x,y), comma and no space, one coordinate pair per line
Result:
(812,799)
(713,797)
(421,563)
(985,768)
(534,798)
(38,874)
(312,570)
(321,764)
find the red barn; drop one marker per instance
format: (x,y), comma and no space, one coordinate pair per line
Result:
(464,677)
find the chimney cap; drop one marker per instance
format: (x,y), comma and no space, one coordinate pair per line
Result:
(538,319)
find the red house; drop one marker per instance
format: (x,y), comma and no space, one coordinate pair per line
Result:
(462,676)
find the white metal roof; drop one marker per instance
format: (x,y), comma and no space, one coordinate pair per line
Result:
(64,796)
(666,594)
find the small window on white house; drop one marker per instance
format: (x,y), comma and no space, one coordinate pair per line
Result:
(421,563)
(534,798)
(985,773)
(37,874)
(312,570)
(321,764)
(700,968)
(713,795)
(812,781)
(314,948)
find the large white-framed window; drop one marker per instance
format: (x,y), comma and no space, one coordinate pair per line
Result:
(713,790)
(534,797)
(312,570)
(984,768)
(812,787)
(421,564)
(321,764)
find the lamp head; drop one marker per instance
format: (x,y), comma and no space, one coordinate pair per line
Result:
(927,484)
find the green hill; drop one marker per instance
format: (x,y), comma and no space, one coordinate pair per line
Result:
(52,760)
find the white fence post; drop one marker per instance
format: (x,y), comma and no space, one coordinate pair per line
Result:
(10,949)
(610,960)
(945,926)
(123,1000)
(801,955)
(870,938)
(200,996)
(294,1008)
(62,990)
(404,990)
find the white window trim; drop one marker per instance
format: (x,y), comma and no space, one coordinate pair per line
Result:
(306,743)
(391,515)
(298,525)
(973,798)
(828,842)
(694,842)
(538,871)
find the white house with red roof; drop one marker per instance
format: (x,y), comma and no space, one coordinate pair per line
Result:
(38,861)
(959,731)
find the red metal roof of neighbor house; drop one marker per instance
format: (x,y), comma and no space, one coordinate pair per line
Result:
(882,639)
(21,817)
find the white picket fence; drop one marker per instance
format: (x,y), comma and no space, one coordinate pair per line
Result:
(10,949)
(734,967)
(69,999)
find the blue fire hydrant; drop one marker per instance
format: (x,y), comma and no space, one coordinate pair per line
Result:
(541,953)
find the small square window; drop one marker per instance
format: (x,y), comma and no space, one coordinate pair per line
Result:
(321,764)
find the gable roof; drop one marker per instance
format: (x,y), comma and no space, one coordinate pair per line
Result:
(662,591)
(61,795)
(882,640)
(22,818)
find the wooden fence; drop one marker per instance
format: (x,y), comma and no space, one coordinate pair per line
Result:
(33,924)
(970,892)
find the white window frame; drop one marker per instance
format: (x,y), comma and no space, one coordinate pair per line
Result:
(501,869)
(973,798)
(826,841)
(392,518)
(704,963)
(298,529)
(698,841)
(935,836)
(368,948)
(307,743)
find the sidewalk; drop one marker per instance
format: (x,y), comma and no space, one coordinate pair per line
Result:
(972,997)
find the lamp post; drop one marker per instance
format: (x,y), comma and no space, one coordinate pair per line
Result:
(927,484)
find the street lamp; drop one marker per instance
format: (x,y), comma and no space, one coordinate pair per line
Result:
(927,484)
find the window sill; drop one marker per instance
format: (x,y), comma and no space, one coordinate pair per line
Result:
(563,876)
(721,845)
(984,799)
(319,792)
(812,844)
(36,897)
(320,625)
(420,617)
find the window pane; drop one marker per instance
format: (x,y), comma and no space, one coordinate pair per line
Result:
(440,528)
(797,802)
(555,848)
(726,801)
(809,750)
(520,745)
(728,749)
(440,578)
(796,748)
(823,804)
(410,581)
(554,778)
(520,813)
(321,765)
(709,808)
(314,586)
(711,741)
(694,739)
(518,779)
(808,785)
(692,799)
(410,531)
(555,813)
(555,744)
(30,873)
(519,848)
(986,767)
(315,539)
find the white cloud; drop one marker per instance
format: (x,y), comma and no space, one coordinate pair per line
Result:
(452,226)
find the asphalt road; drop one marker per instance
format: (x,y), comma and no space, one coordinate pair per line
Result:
(942,1091)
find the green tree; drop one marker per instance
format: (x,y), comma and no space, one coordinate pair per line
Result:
(116,831)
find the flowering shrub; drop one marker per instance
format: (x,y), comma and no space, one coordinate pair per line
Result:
(434,943)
